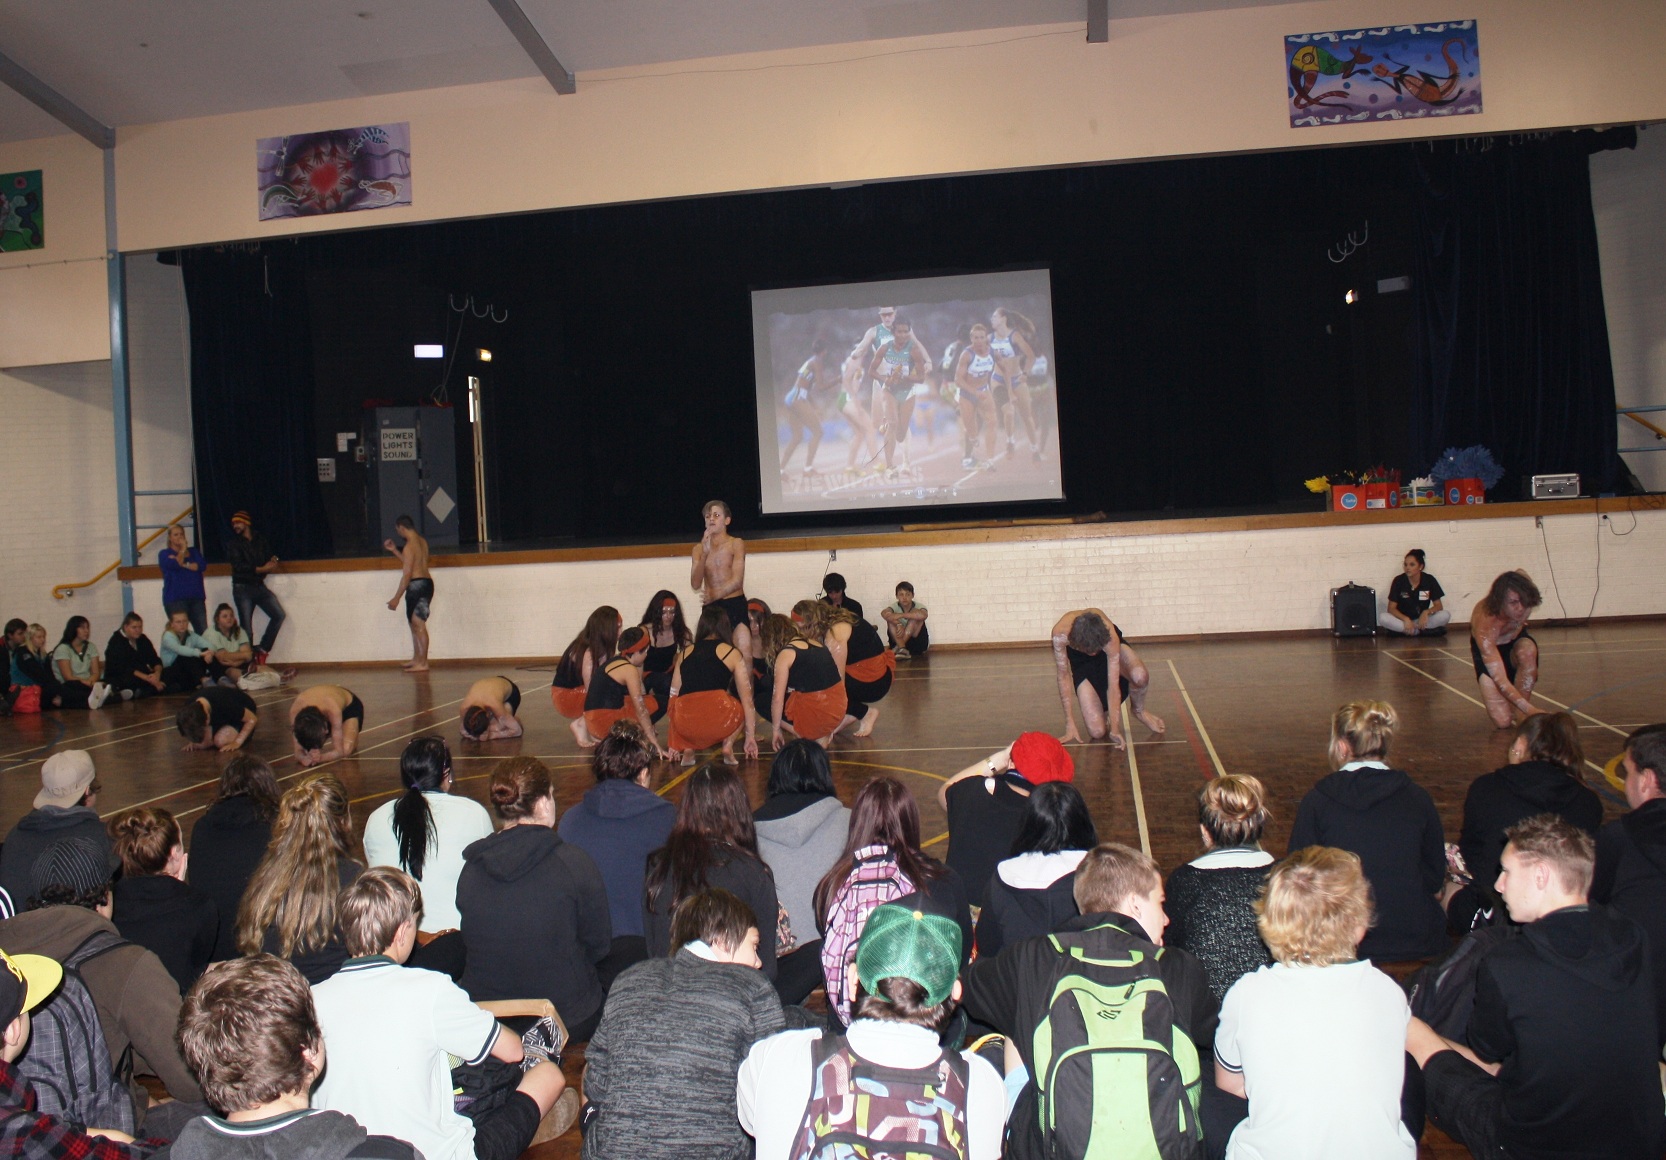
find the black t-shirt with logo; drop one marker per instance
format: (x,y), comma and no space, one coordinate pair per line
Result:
(1414,603)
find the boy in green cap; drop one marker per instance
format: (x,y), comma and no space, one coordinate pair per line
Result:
(800,1090)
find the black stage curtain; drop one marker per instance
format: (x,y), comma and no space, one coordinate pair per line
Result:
(1206,356)
(251,397)
(1512,339)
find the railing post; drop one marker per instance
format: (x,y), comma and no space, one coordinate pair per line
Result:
(121,402)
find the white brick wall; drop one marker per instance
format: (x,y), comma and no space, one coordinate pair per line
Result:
(1156,585)
(1628,193)
(58,521)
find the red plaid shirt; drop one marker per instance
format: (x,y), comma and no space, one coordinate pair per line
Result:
(26,1132)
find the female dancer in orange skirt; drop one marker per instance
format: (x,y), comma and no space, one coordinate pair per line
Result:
(588,652)
(863,658)
(711,693)
(616,691)
(809,694)
(667,636)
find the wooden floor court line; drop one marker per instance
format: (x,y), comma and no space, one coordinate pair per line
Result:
(1220,770)
(1134,780)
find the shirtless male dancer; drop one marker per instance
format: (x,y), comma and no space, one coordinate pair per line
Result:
(1083,643)
(719,572)
(416,586)
(1506,658)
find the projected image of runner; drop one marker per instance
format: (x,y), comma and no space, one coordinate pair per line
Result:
(907,393)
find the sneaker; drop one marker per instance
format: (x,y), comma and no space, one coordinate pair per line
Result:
(259,657)
(902,654)
(127,694)
(228,682)
(100,694)
(968,463)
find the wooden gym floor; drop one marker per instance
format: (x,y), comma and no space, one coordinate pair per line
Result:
(1258,705)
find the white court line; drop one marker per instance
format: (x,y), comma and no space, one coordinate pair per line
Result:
(1134,780)
(1220,770)
(68,741)
(1559,705)
(291,757)
(1472,700)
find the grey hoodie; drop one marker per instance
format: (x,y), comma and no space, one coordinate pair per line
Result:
(800,836)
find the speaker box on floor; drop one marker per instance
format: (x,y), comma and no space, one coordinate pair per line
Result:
(1353,610)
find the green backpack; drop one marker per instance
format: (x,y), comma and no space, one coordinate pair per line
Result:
(1115,1076)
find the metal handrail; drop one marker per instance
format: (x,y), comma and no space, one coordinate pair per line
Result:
(65,591)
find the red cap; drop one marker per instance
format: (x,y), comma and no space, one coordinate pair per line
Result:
(1040,757)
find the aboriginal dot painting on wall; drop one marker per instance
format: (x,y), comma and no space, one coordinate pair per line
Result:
(1397,72)
(335,171)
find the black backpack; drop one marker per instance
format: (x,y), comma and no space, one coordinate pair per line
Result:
(67,1060)
(1443,993)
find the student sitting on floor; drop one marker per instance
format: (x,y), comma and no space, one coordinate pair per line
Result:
(389,1029)
(1114,947)
(1316,1041)
(888,1080)
(1563,1056)
(249,1030)
(25,982)
(65,807)
(1391,822)
(154,907)
(681,1024)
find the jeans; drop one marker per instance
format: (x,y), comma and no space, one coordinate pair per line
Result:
(197,610)
(249,597)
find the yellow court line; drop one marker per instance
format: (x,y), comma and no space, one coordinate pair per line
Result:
(1552,700)
(943,837)
(1220,770)
(1134,779)
(676,781)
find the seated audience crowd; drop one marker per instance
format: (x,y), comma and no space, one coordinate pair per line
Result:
(806,979)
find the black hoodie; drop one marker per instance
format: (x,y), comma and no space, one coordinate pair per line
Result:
(1568,1009)
(1498,800)
(34,833)
(535,921)
(227,844)
(1631,878)
(1391,823)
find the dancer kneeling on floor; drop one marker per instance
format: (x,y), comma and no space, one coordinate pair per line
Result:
(616,692)
(808,693)
(711,693)
(588,652)
(866,664)
(1085,643)
(326,720)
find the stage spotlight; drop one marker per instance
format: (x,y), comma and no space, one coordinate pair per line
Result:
(1351,297)
(429,350)
(483,355)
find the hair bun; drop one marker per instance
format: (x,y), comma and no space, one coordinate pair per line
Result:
(504,793)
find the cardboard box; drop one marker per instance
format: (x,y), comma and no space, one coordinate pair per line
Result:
(1425,496)
(1364,496)
(1465,491)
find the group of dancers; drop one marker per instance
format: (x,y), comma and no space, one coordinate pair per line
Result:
(817,671)
(991,373)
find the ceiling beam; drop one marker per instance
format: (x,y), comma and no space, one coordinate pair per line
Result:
(28,85)
(542,55)
(1099,21)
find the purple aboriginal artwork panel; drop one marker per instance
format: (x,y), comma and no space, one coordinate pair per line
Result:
(1394,73)
(334,171)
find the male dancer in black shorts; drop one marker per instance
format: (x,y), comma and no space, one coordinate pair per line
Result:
(1083,643)
(1506,658)
(719,572)
(416,586)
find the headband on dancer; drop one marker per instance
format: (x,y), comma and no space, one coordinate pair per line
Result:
(636,646)
(754,606)
(668,602)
